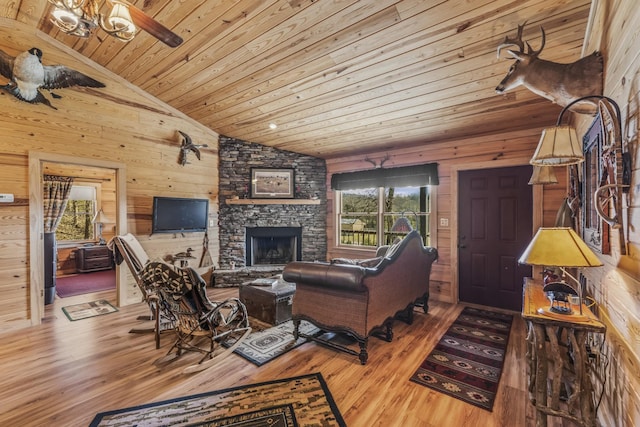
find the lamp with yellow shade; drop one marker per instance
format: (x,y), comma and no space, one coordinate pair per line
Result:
(560,247)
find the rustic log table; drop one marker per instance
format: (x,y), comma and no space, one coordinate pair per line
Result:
(558,359)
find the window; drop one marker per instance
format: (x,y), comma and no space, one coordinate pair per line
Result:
(76,225)
(366,216)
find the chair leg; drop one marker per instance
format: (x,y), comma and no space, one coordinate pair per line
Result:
(216,356)
(363,356)
(424,302)
(296,329)
(156,314)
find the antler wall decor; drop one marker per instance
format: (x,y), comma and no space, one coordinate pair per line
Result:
(615,175)
(560,83)
(186,146)
(376,165)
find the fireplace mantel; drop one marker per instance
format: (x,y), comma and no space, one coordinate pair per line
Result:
(273,201)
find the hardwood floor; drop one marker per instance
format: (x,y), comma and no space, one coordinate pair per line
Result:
(62,373)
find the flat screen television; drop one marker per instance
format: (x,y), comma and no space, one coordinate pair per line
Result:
(179,215)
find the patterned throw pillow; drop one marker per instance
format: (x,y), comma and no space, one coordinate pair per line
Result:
(369,262)
(393,248)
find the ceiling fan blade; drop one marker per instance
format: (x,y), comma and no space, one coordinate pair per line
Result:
(153,27)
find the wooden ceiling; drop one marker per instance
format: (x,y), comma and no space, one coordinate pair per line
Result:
(337,77)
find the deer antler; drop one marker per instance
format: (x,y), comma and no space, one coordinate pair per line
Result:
(387,157)
(513,42)
(517,41)
(376,165)
(537,52)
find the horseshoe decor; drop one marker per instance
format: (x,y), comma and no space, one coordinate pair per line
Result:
(608,197)
(603,197)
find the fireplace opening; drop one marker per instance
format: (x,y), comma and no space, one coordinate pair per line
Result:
(273,245)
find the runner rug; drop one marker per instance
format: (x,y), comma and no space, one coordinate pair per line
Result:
(300,401)
(85,283)
(467,362)
(265,345)
(88,309)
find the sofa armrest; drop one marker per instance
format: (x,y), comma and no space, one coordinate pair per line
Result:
(338,276)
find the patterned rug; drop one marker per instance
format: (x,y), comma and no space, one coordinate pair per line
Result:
(304,400)
(467,362)
(88,309)
(265,345)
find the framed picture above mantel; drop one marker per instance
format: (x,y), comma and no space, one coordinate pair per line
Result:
(272,183)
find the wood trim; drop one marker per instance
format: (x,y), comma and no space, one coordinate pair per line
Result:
(273,201)
(36,222)
(16,202)
(455,169)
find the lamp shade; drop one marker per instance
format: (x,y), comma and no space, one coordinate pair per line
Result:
(120,18)
(100,218)
(402,225)
(559,247)
(543,175)
(558,146)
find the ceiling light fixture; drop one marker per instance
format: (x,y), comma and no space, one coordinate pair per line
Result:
(80,17)
(273,126)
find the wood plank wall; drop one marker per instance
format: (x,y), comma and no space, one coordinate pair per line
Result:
(487,151)
(119,123)
(616,286)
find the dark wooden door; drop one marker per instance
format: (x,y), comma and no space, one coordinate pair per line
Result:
(494,227)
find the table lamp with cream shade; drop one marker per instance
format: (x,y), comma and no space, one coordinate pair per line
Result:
(560,247)
(101,219)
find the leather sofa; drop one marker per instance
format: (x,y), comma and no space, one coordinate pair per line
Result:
(362,298)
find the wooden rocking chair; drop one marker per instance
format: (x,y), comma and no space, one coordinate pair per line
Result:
(214,329)
(128,248)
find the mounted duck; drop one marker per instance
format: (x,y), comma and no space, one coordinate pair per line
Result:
(27,75)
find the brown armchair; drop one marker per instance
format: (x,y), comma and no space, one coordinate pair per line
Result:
(360,300)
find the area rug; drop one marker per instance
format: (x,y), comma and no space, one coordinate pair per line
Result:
(304,400)
(265,345)
(467,362)
(80,284)
(88,309)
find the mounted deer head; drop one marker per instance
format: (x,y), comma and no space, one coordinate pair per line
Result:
(560,83)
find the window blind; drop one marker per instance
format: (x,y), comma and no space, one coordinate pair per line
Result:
(405,176)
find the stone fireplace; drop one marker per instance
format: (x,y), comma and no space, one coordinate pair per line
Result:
(247,246)
(272,245)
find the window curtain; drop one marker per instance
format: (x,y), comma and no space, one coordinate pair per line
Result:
(56,194)
(407,176)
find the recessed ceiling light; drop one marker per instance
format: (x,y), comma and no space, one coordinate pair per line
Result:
(272,126)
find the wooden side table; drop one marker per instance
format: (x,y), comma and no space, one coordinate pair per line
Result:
(558,359)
